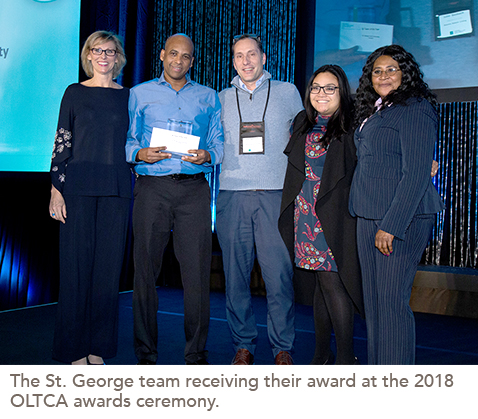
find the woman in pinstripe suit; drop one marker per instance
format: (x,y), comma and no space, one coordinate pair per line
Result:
(392,195)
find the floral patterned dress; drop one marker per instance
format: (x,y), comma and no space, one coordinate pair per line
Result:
(311,249)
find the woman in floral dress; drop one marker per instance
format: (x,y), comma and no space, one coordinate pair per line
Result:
(315,223)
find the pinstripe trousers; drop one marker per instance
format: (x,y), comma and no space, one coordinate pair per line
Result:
(387,286)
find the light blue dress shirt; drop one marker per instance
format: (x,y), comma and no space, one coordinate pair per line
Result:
(258,83)
(153,103)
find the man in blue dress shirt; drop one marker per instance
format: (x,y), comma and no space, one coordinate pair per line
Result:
(172,194)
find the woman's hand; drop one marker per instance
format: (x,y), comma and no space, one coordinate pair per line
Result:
(57,205)
(383,242)
(434,168)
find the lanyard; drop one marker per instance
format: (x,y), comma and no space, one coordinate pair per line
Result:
(265,109)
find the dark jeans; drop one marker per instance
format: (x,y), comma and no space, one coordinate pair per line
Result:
(246,227)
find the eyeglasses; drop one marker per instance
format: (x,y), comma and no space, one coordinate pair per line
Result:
(390,72)
(328,90)
(99,51)
(245,36)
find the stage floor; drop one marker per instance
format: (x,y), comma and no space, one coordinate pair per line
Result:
(27,335)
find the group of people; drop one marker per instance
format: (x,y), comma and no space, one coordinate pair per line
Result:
(325,189)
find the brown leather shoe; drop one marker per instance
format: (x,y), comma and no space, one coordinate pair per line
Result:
(284,358)
(243,357)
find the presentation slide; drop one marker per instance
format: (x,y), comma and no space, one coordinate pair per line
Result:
(440,34)
(39,50)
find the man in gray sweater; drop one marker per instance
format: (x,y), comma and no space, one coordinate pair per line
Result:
(256,115)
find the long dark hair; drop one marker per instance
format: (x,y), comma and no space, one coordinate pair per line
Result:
(340,122)
(412,84)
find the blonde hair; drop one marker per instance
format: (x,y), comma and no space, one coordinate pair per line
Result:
(97,38)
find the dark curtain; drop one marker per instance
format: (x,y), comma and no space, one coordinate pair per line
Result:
(145,25)
(212,24)
(455,238)
(133,20)
(28,241)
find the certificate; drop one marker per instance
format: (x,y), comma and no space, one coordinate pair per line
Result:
(454,24)
(368,36)
(175,142)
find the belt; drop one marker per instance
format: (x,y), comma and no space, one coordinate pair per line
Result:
(183,176)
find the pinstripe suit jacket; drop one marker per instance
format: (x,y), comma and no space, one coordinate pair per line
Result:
(392,181)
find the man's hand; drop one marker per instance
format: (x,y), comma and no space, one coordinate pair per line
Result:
(152,154)
(383,242)
(202,156)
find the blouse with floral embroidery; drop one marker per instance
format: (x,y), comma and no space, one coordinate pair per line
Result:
(88,154)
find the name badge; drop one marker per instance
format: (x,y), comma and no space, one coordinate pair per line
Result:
(251,138)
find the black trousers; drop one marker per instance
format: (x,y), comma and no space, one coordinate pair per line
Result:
(163,205)
(92,247)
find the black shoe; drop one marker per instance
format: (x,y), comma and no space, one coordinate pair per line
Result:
(146,362)
(329,361)
(202,361)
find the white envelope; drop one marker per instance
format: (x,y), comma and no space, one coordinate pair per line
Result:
(175,142)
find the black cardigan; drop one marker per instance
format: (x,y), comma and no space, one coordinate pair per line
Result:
(332,209)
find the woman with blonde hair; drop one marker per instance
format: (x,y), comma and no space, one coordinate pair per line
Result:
(91,196)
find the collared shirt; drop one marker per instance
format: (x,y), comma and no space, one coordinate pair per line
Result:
(377,106)
(152,103)
(258,83)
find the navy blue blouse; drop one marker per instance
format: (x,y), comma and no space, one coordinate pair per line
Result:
(89,152)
